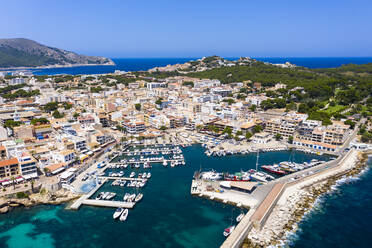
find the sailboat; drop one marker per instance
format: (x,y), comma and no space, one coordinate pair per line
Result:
(258,176)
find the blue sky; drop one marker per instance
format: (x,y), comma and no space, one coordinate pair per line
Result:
(165,28)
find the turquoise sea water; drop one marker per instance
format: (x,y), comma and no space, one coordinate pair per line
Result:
(167,216)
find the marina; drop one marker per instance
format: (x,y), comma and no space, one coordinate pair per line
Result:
(132,164)
(166,190)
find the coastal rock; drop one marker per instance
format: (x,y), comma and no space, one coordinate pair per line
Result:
(59,197)
(284,218)
(4,210)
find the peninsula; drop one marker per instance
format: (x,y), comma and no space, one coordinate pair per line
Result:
(25,53)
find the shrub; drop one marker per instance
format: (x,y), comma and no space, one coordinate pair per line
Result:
(21,195)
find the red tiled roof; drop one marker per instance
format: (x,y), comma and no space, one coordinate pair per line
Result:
(8,162)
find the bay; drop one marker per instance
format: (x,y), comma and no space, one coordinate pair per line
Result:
(167,216)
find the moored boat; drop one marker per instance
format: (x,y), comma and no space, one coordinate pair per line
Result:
(138,197)
(228,231)
(124,215)
(117,213)
(126,196)
(273,169)
(240,217)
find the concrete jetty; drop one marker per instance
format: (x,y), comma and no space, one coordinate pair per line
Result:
(112,204)
(76,205)
(280,192)
(123,178)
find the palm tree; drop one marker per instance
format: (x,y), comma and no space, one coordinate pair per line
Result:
(13,180)
(32,185)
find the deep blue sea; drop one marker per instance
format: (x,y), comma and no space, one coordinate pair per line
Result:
(138,64)
(342,218)
(167,216)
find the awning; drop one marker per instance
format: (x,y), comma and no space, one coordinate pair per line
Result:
(19,179)
(225,184)
(65,175)
(6,183)
(83,156)
(58,170)
(29,176)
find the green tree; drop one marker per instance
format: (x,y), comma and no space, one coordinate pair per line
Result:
(238,133)
(290,139)
(188,83)
(291,106)
(137,106)
(51,106)
(13,181)
(159,101)
(11,123)
(257,129)
(248,135)
(227,130)
(39,121)
(67,105)
(366,137)
(350,123)
(57,114)
(278,136)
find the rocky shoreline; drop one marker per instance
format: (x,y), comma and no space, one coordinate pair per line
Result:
(285,217)
(44,197)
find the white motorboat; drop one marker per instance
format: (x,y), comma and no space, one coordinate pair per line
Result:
(240,217)
(132,197)
(117,213)
(126,196)
(99,196)
(228,231)
(110,195)
(165,163)
(138,197)
(148,174)
(124,215)
(104,195)
(132,174)
(258,176)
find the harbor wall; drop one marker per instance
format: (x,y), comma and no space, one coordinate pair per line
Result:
(258,219)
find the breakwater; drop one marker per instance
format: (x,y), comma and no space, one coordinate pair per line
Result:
(299,199)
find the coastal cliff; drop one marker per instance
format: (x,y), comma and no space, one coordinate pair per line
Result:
(25,53)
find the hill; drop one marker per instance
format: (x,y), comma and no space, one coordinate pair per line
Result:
(21,52)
